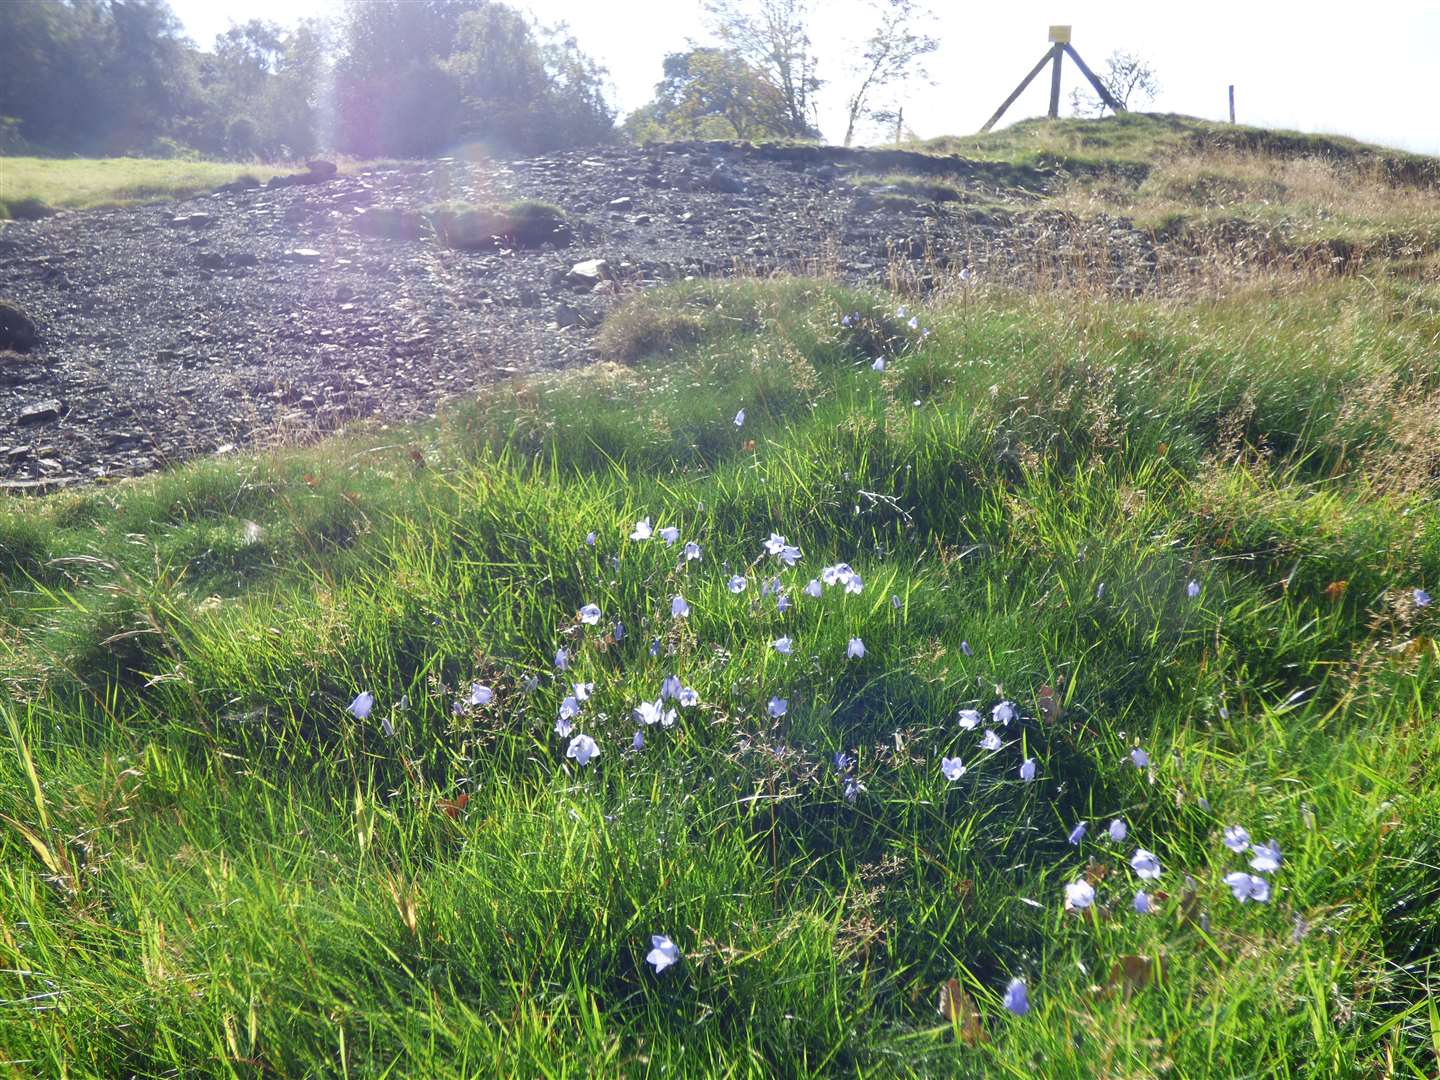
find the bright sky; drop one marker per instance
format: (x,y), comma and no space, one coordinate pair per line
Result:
(1362,70)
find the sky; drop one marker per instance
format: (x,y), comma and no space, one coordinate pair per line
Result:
(1365,70)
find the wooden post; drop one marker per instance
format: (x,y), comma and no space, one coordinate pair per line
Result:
(1020,89)
(1100,88)
(1232,103)
(1059,53)
(899,123)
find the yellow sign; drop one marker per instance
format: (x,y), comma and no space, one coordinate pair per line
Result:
(1060,34)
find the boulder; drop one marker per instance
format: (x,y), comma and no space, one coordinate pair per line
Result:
(17,330)
(589,273)
(724,182)
(321,170)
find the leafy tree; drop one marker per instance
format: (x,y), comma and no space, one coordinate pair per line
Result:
(773,38)
(710,93)
(893,53)
(1128,77)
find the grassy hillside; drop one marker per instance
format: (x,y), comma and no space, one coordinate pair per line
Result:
(1220,185)
(1183,542)
(30,185)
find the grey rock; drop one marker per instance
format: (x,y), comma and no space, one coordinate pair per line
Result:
(42,412)
(589,273)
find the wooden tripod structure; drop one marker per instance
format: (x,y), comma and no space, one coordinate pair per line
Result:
(1060,47)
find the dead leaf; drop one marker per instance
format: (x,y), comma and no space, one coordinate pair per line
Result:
(1133,972)
(957,1007)
(1095,872)
(1335,591)
(452,807)
(1049,702)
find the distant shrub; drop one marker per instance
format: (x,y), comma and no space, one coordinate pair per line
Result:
(525,224)
(27,209)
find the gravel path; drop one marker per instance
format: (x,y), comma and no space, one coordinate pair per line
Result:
(245,316)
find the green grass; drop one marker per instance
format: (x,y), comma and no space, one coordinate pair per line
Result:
(82,183)
(210,868)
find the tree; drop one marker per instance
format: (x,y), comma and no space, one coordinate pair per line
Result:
(893,53)
(710,93)
(1128,77)
(773,38)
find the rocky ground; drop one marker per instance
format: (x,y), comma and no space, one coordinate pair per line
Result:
(252,315)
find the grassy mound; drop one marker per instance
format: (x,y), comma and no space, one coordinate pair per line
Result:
(31,186)
(1194,531)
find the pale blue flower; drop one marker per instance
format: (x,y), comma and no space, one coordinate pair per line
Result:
(590,614)
(619,631)
(361,706)
(670,687)
(692,551)
(679,609)
(1027,769)
(914,323)
(740,418)
(837,574)
(782,602)
(638,742)
(1237,838)
(965,648)
(1078,833)
(569,708)
(952,767)
(1079,895)
(969,719)
(1003,713)
(879,364)
(481,694)
(655,647)
(853,584)
(901,312)
(663,953)
(643,531)
(991,741)
(789,554)
(1192,588)
(841,760)
(1017,997)
(737,584)
(562,659)
(670,534)
(894,602)
(590,539)
(783,645)
(777,707)
(387,727)
(1422,598)
(648,712)
(1267,857)
(1142,903)
(1248,887)
(583,749)
(853,788)
(1139,758)
(564,726)
(855,650)
(688,697)
(529,683)
(1118,831)
(1145,864)
(814,588)
(583,690)
(774,545)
